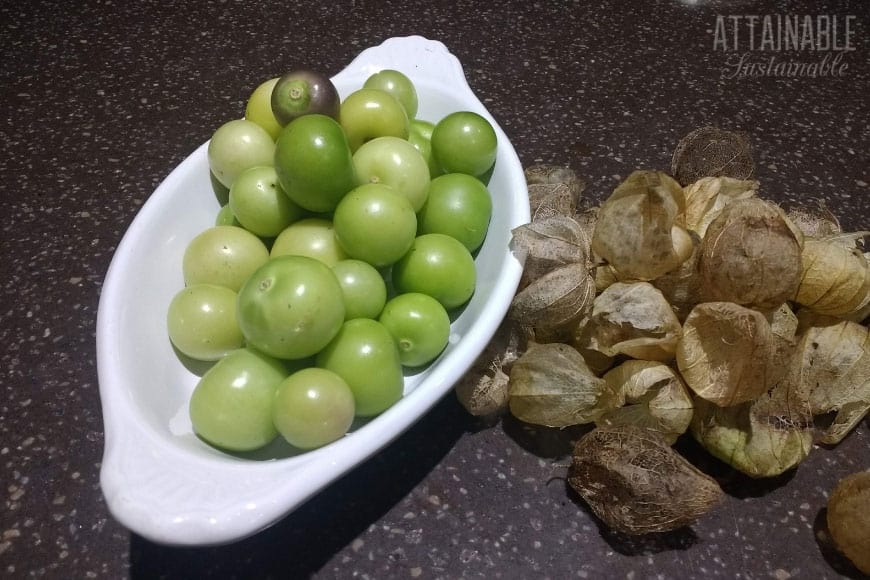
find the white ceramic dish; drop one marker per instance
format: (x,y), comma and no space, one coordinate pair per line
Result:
(158,478)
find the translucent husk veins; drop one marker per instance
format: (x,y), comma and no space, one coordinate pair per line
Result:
(750,255)
(551,385)
(707,196)
(725,353)
(835,276)
(637,230)
(634,320)
(761,438)
(654,397)
(831,371)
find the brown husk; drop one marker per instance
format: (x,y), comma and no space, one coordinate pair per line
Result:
(636,483)
(712,152)
(750,255)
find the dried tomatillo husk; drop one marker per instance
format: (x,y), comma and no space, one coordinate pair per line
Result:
(587,218)
(847,519)
(724,352)
(862,313)
(712,152)
(681,287)
(761,438)
(783,323)
(835,277)
(815,223)
(581,339)
(547,244)
(832,368)
(655,398)
(483,390)
(604,275)
(708,195)
(783,329)
(546,200)
(636,231)
(556,298)
(553,190)
(750,255)
(551,385)
(484,394)
(545,334)
(636,483)
(633,319)
(548,174)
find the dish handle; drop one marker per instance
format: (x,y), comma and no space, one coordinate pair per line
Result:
(422,58)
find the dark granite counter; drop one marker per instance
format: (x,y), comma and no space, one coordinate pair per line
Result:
(101,99)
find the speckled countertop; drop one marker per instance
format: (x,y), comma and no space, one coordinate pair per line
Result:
(100,102)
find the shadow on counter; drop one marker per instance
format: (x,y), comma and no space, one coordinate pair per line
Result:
(303,542)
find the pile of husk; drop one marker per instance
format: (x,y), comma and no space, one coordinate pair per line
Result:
(697,308)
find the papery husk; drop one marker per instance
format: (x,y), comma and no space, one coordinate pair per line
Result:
(655,398)
(547,200)
(581,340)
(750,255)
(484,394)
(835,276)
(483,390)
(832,371)
(636,483)
(549,174)
(587,217)
(847,519)
(783,323)
(556,299)
(712,152)
(783,328)
(815,222)
(764,437)
(862,313)
(604,275)
(708,195)
(551,385)
(547,244)
(682,287)
(636,226)
(553,190)
(633,319)
(725,352)
(545,334)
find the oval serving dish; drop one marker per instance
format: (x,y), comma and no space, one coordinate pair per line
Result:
(158,478)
